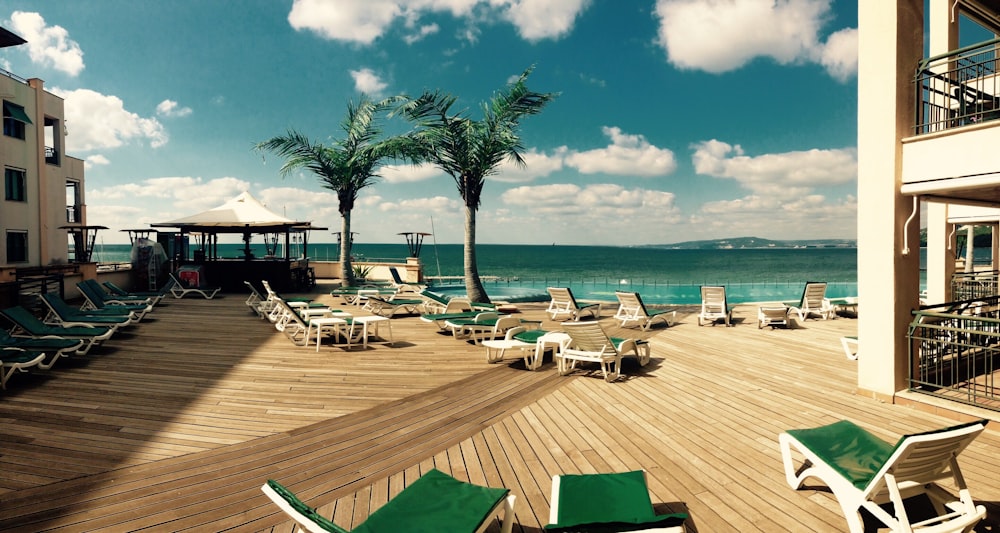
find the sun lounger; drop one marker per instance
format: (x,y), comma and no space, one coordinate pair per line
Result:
(812,302)
(590,344)
(388,307)
(867,473)
(118,291)
(486,325)
(63,314)
(97,300)
(607,502)
(850,346)
(564,304)
(179,290)
(17,360)
(27,325)
(772,315)
(631,309)
(715,306)
(127,298)
(434,502)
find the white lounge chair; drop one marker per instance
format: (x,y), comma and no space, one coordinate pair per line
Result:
(714,306)
(850,345)
(864,472)
(257,303)
(434,502)
(631,309)
(485,325)
(813,302)
(179,290)
(589,343)
(531,343)
(772,315)
(600,502)
(17,360)
(564,304)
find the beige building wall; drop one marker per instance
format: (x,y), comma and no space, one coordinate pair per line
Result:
(890,46)
(44,211)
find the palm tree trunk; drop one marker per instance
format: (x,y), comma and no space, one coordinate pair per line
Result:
(347,278)
(473,285)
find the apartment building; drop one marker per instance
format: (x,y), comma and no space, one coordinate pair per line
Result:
(928,131)
(43,204)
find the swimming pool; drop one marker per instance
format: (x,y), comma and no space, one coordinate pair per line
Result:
(652,293)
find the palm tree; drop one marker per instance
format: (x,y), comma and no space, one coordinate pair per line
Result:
(346,166)
(470,150)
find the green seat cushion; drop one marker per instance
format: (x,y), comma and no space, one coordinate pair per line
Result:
(848,448)
(450,316)
(530,336)
(606,499)
(17,356)
(435,503)
(304,509)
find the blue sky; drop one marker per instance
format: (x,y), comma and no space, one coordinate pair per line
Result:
(677,119)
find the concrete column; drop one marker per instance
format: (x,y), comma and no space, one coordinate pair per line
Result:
(890,45)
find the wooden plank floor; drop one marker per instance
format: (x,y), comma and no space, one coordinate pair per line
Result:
(174,426)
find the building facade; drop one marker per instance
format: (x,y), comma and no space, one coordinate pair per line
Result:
(928,128)
(43,187)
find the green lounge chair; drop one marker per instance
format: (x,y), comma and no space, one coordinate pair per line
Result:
(126,298)
(56,346)
(388,307)
(66,315)
(17,360)
(563,303)
(485,325)
(865,472)
(812,302)
(631,309)
(94,299)
(607,502)
(435,503)
(27,325)
(179,290)
(589,343)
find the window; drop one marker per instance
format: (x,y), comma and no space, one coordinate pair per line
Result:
(17,247)
(14,119)
(14,185)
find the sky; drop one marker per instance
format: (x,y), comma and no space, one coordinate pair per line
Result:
(675,120)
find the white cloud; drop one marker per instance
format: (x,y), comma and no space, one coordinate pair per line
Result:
(781,176)
(95,160)
(409,173)
(723,35)
(542,19)
(424,31)
(169,108)
(536,165)
(628,154)
(811,216)
(839,55)
(364,21)
(603,203)
(96,121)
(48,45)
(367,81)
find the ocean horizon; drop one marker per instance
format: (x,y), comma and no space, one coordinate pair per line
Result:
(660,275)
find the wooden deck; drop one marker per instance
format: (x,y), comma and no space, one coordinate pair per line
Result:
(176,424)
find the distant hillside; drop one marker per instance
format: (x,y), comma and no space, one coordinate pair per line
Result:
(757,242)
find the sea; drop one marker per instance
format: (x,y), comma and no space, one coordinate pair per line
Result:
(516,272)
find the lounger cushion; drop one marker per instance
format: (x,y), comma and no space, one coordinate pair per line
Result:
(304,509)
(435,503)
(852,451)
(618,498)
(530,336)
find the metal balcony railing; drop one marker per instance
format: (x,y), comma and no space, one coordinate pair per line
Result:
(955,351)
(959,88)
(970,285)
(51,155)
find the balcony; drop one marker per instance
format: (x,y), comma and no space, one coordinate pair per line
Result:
(959,88)
(955,351)
(51,156)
